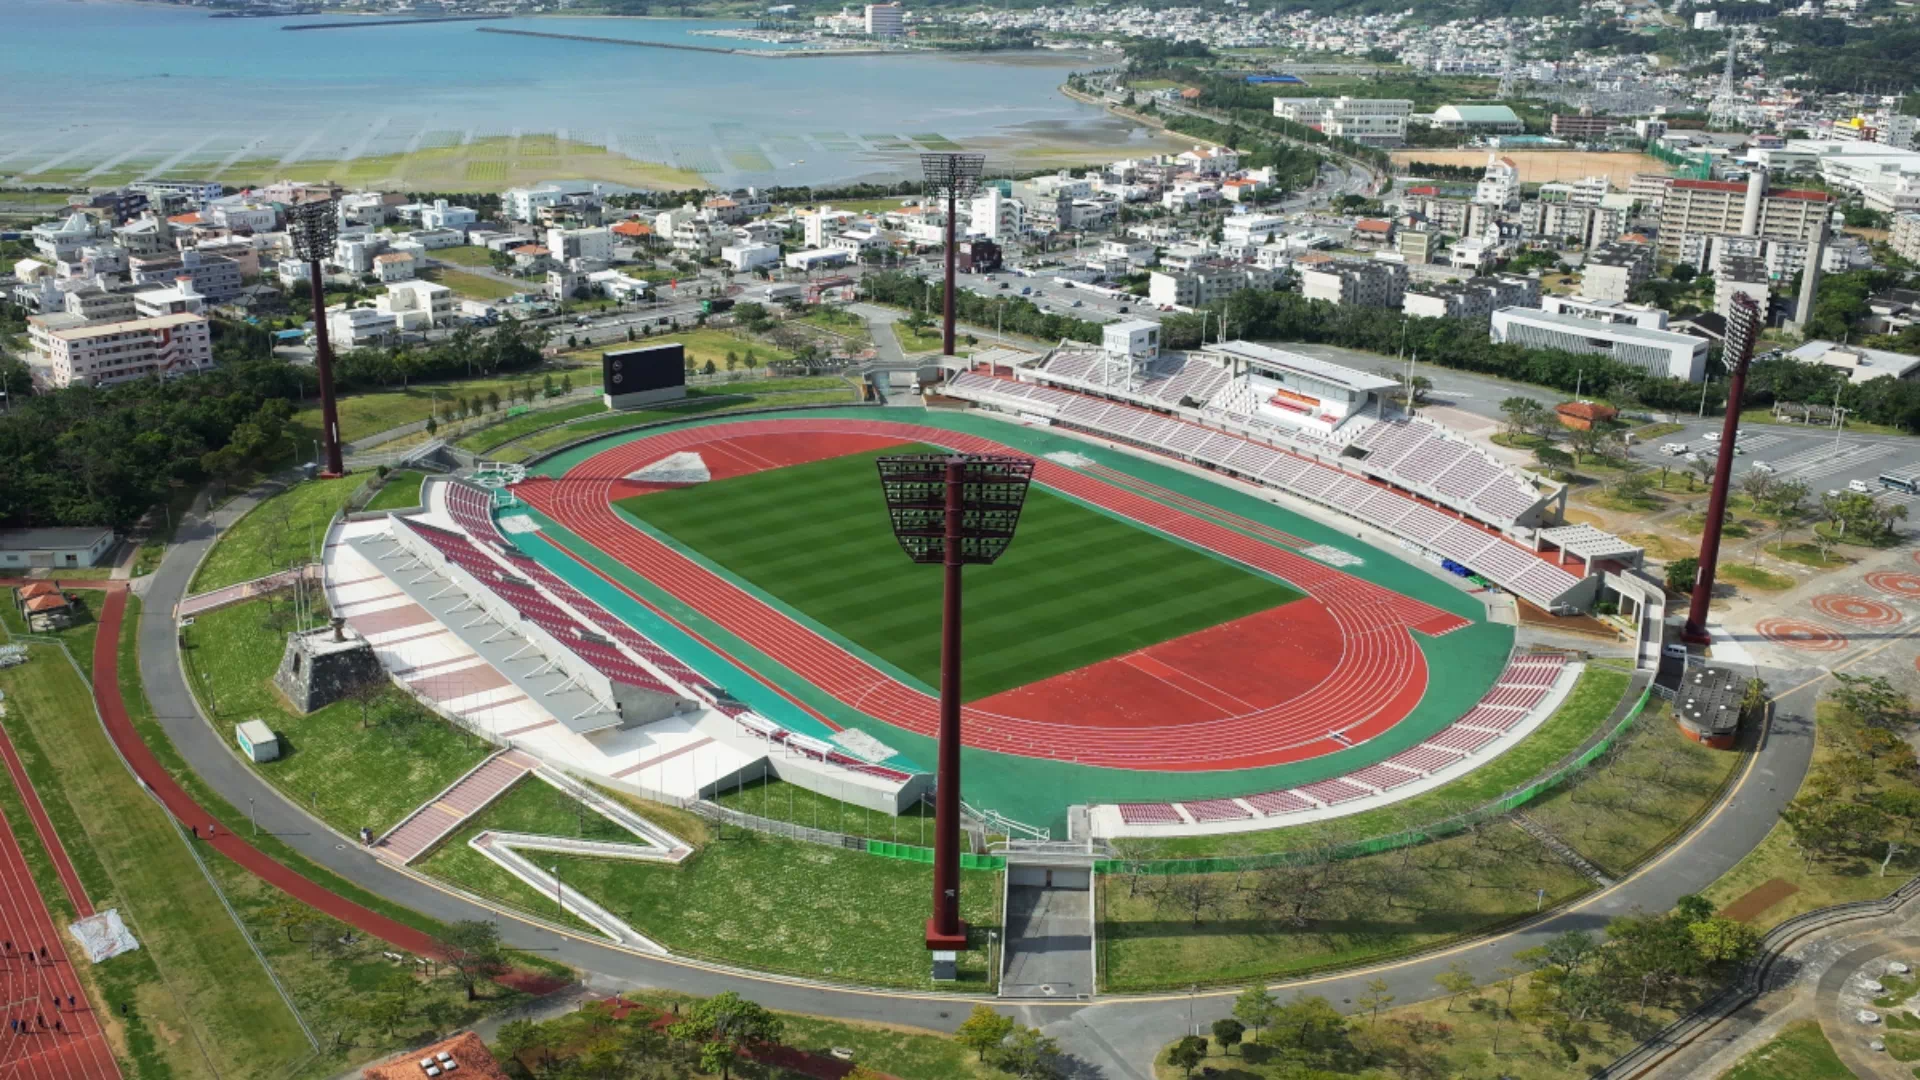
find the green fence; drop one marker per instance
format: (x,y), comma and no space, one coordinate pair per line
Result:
(914,853)
(1519,797)
(1683,166)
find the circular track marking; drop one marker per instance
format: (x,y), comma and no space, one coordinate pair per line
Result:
(1856,610)
(1805,636)
(1895,583)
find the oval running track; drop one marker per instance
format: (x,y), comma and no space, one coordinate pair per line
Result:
(1365,694)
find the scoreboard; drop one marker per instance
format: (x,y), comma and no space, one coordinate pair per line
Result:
(642,376)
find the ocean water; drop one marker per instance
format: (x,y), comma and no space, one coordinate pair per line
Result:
(96,83)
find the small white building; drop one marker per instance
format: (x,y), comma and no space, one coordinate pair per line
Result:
(417,305)
(393,266)
(22,548)
(1137,339)
(744,258)
(352,327)
(818,258)
(441,215)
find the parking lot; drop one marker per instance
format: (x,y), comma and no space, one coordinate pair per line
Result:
(1814,456)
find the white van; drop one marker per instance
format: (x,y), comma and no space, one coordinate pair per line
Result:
(1858,486)
(1674,449)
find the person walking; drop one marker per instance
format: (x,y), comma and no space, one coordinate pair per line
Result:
(59,1025)
(70,1003)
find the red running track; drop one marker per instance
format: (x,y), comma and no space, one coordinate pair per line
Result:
(1377,678)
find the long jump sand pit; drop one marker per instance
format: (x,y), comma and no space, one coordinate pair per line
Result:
(1542,166)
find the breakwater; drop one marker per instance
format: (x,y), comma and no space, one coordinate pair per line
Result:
(378,20)
(771,54)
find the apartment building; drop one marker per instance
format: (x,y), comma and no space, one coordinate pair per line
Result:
(1415,246)
(1740,275)
(215,277)
(571,246)
(1611,312)
(1905,238)
(61,241)
(1659,353)
(1499,186)
(1584,124)
(1649,189)
(886,20)
(1611,271)
(352,327)
(197,192)
(393,266)
(1207,281)
(1695,208)
(179,299)
(117,352)
(1475,298)
(1372,121)
(1378,284)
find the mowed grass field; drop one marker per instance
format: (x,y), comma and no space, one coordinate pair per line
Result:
(816,538)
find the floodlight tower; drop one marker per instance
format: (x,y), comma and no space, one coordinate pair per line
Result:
(957,175)
(1743,331)
(955,510)
(313,227)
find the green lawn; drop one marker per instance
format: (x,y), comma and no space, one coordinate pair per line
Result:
(1578,719)
(780,801)
(463,255)
(487,438)
(744,898)
(477,286)
(912,341)
(1754,577)
(1800,1052)
(347,775)
(1043,609)
(703,346)
(199,999)
(382,410)
(527,423)
(281,531)
(401,492)
(1808,554)
(551,437)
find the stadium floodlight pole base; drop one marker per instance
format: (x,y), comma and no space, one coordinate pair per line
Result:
(954,942)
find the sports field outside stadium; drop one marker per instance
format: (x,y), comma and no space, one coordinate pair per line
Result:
(770,531)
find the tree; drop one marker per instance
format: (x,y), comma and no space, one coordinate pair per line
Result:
(1456,980)
(1031,1055)
(472,948)
(1552,459)
(1228,1032)
(722,1026)
(1375,999)
(1586,442)
(432,426)
(566,383)
(1723,942)
(983,1030)
(1187,1054)
(493,401)
(1681,573)
(733,360)
(1255,1007)
(1521,412)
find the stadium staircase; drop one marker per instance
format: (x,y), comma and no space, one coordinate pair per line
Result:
(445,812)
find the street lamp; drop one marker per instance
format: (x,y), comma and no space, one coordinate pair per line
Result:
(313,227)
(954,510)
(956,175)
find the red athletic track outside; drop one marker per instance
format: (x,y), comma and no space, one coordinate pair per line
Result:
(1379,676)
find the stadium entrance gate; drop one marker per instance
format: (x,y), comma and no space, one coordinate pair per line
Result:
(1049,921)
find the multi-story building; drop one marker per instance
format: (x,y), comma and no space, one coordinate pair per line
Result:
(1415,245)
(442,215)
(1649,189)
(1245,229)
(1611,312)
(1499,186)
(61,241)
(179,299)
(1378,284)
(1584,124)
(393,266)
(1659,353)
(993,215)
(886,20)
(1611,271)
(214,277)
(1129,254)
(1905,239)
(198,193)
(146,237)
(1695,208)
(1475,298)
(241,213)
(417,305)
(1207,281)
(115,352)
(746,257)
(1740,275)
(698,239)
(575,247)
(352,327)
(1373,121)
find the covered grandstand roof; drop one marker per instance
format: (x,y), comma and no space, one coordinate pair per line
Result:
(1590,543)
(1268,356)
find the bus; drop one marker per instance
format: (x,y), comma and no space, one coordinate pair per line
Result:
(1905,483)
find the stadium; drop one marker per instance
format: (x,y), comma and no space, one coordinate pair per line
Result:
(1243,595)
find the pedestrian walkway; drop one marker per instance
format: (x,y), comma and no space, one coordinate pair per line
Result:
(445,812)
(215,599)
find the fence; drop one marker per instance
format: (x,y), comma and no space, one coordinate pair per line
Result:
(1681,165)
(1435,830)
(1750,981)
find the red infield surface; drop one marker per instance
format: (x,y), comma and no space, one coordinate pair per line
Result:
(1190,703)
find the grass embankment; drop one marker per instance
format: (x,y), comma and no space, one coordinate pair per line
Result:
(376,411)
(549,438)
(519,427)
(401,492)
(348,769)
(778,800)
(744,898)
(527,423)
(1778,881)
(1800,1052)
(1578,719)
(198,1000)
(1632,801)
(917,341)
(703,347)
(1044,610)
(284,529)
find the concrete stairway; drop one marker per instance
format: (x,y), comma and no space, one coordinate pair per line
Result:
(445,812)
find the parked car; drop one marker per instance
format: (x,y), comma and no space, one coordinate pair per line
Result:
(1078,303)
(1711,436)
(1761,466)
(1124,309)
(1674,449)
(1026,290)
(1858,487)
(1006,285)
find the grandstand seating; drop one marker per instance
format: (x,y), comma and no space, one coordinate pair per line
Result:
(1436,463)
(1487,722)
(595,636)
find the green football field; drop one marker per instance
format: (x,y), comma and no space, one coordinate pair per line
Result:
(1076,587)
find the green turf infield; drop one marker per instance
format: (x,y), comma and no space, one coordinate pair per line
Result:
(1076,587)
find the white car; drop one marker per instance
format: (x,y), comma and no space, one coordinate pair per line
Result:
(1674,449)
(1858,486)
(1711,436)
(1761,466)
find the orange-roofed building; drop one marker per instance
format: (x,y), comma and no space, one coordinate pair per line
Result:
(1583,415)
(633,230)
(469,1056)
(50,602)
(38,588)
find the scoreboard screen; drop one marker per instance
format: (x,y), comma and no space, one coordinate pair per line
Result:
(636,371)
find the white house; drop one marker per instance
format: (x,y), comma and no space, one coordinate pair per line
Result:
(352,327)
(393,266)
(417,305)
(443,216)
(748,257)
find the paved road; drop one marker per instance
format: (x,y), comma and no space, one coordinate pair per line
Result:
(1114,1037)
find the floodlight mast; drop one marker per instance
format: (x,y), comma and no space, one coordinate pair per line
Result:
(957,175)
(952,509)
(313,226)
(1743,332)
